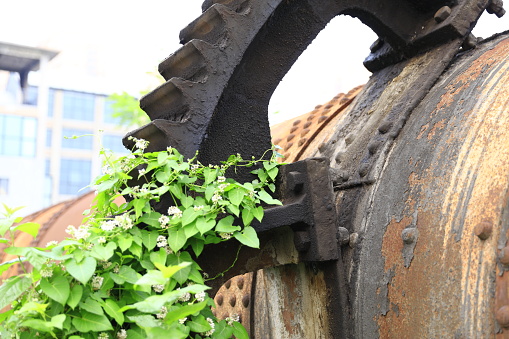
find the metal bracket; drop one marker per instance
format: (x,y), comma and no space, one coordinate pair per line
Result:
(305,188)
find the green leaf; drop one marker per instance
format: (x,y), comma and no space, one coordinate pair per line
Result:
(247,216)
(162,157)
(136,333)
(187,201)
(152,277)
(190,230)
(176,190)
(144,321)
(199,324)
(168,272)
(265,197)
(86,322)
(113,310)
(189,215)
(233,209)
(135,249)
(21,251)
(91,306)
(4,241)
(124,242)
(103,253)
(185,311)
(58,321)
(258,212)
(125,273)
(209,192)
(239,331)
(226,225)
(203,225)
(173,332)
(5,224)
(197,245)
(158,257)
(57,288)
(11,289)
(248,237)
(176,260)
(162,177)
(236,195)
(139,205)
(5,266)
(31,228)
(75,296)
(222,330)
(176,239)
(149,238)
(151,219)
(38,325)
(82,271)
(210,174)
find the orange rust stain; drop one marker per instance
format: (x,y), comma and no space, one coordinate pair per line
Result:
(289,279)
(438,125)
(423,129)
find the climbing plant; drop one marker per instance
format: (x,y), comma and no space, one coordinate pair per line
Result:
(129,270)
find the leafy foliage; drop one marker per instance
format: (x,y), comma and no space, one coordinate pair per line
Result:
(129,270)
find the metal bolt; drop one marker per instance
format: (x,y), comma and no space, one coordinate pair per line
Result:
(219,299)
(375,46)
(502,316)
(504,256)
(349,139)
(364,169)
(442,14)
(496,7)
(373,146)
(409,235)
(354,237)
(295,181)
(385,127)
(301,240)
(343,236)
(483,230)
(245,300)
(340,157)
(470,42)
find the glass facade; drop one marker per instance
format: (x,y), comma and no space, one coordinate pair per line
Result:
(114,143)
(78,106)
(75,174)
(4,186)
(51,102)
(84,139)
(18,135)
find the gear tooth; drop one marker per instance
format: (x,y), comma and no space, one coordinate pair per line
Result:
(210,26)
(234,5)
(166,101)
(186,63)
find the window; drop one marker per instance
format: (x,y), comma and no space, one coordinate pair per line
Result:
(78,106)
(74,175)
(84,140)
(114,143)
(108,112)
(18,135)
(49,135)
(51,102)
(4,186)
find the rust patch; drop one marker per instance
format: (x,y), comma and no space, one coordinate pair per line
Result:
(423,129)
(438,125)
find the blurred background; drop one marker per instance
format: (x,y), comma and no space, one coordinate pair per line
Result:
(61,62)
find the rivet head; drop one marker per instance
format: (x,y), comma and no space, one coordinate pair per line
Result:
(409,235)
(240,282)
(233,301)
(442,14)
(504,256)
(245,300)
(483,230)
(353,239)
(219,299)
(502,316)
(343,236)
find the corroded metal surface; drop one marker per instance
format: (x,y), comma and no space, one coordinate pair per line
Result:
(421,269)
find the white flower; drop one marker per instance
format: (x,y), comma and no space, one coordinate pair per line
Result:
(225,236)
(103,335)
(162,241)
(122,334)
(169,149)
(198,208)
(82,233)
(108,225)
(183,320)
(234,318)
(46,272)
(222,187)
(70,230)
(142,171)
(158,288)
(216,197)
(164,220)
(52,243)
(200,296)
(101,240)
(194,167)
(162,313)
(175,211)
(107,170)
(168,250)
(116,269)
(124,221)
(140,144)
(221,179)
(106,264)
(185,296)
(97,282)
(211,323)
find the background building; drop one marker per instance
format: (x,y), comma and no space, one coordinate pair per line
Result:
(50,138)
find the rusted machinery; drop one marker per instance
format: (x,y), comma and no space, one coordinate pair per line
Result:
(395,220)
(406,210)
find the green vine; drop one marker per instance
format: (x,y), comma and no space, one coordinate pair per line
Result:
(129,271)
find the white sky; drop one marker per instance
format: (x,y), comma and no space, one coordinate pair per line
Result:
(119,41)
